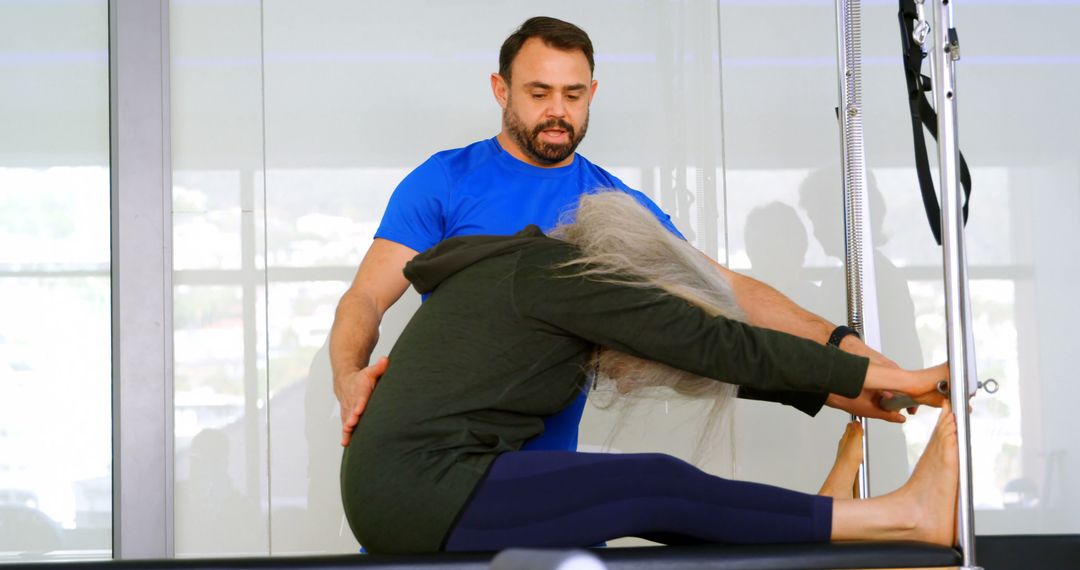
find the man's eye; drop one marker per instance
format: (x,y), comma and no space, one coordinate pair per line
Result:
(573,97)
(538,95)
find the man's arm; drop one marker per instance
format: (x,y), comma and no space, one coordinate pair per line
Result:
(378,284)
(766,307)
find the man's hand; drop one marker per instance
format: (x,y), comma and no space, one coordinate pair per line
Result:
(884,380)
(361,384)
(854,345)
(866,405)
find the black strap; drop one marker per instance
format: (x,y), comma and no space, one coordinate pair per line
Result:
(924,115)
(839,333)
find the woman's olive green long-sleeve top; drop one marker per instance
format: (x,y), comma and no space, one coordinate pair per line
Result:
(504,341)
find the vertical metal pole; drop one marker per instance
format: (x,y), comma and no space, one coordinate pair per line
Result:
(946,52)
(142,320)
(858,260)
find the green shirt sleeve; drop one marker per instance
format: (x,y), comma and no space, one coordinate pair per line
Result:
(651,324)
(809,403)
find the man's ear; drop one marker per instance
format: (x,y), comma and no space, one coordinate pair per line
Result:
(592,90)
(499,89)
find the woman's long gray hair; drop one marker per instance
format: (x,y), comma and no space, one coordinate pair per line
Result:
(623,242)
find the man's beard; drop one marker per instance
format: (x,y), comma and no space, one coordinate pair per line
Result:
(529,139)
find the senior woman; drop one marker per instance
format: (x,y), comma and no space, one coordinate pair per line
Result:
(508,336)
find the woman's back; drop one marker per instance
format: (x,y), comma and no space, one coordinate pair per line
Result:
(469,378)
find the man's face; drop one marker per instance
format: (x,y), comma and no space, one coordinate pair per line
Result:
(549,142)
(546,106)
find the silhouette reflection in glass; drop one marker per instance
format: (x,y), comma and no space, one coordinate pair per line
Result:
(325,528)
(213,509)
(776,243)
(821,197)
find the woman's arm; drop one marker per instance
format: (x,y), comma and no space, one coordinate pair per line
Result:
(651,324)
(919,384)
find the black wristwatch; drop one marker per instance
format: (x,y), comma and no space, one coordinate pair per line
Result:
(839,333)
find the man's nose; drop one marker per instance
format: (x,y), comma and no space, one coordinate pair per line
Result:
(557,107)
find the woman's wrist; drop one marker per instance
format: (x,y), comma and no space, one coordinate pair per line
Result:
(882,377)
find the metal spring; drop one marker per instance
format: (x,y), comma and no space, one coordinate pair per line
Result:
(854,173)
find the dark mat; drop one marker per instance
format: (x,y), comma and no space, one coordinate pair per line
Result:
(787,557)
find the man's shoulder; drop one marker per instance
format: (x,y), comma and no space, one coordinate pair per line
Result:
(600,174)
(483,146)
(460,161)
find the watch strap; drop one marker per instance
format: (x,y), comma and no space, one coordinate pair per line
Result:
(839,333)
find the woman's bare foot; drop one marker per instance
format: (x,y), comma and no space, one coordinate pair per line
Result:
(840,484)
(924,509)
(930,493)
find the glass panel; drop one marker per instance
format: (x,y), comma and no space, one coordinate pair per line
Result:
(55,323)
(220,293)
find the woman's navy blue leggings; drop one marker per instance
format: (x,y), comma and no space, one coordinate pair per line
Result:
(563,498)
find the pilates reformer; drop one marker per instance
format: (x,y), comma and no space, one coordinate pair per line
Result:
(948,226)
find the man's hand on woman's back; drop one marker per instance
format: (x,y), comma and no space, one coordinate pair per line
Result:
(361,384)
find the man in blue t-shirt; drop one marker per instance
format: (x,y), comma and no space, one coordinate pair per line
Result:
(528,174)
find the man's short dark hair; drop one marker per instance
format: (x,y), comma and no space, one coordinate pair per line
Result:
(554,33)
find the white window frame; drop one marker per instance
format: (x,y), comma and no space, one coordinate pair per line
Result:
(141,234)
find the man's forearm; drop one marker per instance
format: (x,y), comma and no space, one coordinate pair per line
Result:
(352,338)
(768,308)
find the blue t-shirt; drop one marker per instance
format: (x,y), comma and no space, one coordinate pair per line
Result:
(482,190)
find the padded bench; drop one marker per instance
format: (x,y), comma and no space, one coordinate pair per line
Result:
(720,557)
